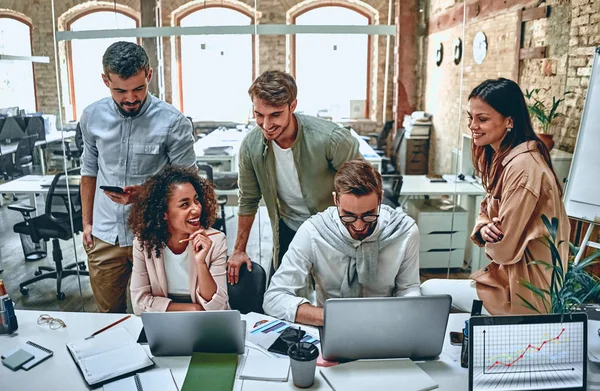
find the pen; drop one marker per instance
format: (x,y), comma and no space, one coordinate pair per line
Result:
(109,326)
(188,239)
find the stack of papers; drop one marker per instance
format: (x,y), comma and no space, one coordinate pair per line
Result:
(418,125)
(217,151)
(259,366)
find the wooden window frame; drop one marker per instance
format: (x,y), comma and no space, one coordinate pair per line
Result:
(178,19)
(369,46)
(28,24)
(69,47)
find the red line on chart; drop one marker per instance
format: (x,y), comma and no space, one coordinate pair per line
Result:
(523,354)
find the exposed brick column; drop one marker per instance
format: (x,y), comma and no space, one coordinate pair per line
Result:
(405,59)
(148,16)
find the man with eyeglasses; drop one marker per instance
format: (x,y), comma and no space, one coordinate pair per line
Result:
(357,248)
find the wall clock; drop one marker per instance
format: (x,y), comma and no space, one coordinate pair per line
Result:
(439,54)
(479,47)
(457,50)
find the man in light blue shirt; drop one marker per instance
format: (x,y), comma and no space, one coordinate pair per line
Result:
(127,138)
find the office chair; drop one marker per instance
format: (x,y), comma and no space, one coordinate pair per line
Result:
(221,200)
(11,130)
(53,225)
(23,164)
(381,137)
(73,151)
(392,180)
(247,295)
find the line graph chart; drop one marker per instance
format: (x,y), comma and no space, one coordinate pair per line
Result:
(528,356)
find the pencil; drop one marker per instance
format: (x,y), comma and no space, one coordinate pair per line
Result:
(188,239)
(109,326)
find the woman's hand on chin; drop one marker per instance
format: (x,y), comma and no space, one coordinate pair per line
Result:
(201,244)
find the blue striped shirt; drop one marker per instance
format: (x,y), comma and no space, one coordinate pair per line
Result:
(123,151)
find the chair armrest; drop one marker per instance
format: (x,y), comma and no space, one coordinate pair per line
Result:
(21,208)
(221,200)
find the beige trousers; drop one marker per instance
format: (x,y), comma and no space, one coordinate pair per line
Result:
(110,269)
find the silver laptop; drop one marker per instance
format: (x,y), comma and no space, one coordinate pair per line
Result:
(384,327)
(182,333)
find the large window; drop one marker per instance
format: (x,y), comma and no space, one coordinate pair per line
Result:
(331,69)
(16,77)
(85,57)
(215,71)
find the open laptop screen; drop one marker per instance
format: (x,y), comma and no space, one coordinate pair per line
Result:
(535,352)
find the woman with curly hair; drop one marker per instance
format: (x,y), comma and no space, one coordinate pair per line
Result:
(179,262)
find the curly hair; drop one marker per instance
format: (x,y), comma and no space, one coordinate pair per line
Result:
(146,218)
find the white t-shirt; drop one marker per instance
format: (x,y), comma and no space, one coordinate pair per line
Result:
(176,269)
(293,208)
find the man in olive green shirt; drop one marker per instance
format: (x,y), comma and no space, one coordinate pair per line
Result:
(290,160)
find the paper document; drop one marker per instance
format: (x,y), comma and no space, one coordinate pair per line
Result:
(378,375)
(594,340)
(258,366)
(155,380)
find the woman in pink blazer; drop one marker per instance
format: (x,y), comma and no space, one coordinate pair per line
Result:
(179,264)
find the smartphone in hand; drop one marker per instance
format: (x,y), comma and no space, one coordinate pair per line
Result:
(114,189)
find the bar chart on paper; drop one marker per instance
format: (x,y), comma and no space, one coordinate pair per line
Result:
(528,356)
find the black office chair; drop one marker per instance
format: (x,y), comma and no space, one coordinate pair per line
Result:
(23,164)
(247,295)
(381,137)
(53,226)
(221,200)
(392,180)
(73,151)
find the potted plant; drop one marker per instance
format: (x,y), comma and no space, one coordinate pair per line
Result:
(545,115)
(568,289)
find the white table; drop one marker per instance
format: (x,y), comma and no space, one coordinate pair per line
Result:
(50,138)
(60,372)
(469,195)
(234,137)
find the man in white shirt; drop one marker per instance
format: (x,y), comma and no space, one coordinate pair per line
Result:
(357,248)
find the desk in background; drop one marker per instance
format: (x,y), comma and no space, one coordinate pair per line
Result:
(234,137)
(469,196)
(50,138)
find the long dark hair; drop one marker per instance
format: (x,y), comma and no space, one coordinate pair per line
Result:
(505,96)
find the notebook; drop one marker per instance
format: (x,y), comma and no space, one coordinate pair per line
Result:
(154,380)
(259,366)
(211,371)
(39,354)
(378,375)
(108,355)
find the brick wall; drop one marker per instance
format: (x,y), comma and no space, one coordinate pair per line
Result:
(571,32)
(271,52)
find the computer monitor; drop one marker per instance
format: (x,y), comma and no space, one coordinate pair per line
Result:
(35,125)
(529,352)
(11,131)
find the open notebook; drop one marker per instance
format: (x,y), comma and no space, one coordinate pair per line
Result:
(154,380)
(108,355)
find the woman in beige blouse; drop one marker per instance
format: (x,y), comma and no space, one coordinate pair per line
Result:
(517,173)
(179,263)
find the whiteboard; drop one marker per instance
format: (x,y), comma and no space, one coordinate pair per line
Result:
(582,195)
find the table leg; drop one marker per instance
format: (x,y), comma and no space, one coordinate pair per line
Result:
(42,160)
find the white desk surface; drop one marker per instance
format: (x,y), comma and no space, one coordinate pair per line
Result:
(234,137)
(60,372)
(220,138)
(50,138)
(413,185)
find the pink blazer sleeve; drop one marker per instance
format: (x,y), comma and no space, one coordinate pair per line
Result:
(217,264)
(142,297)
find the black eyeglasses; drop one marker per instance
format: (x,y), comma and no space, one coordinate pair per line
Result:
(368,218)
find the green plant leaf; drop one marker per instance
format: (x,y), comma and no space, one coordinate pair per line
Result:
(527,304)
